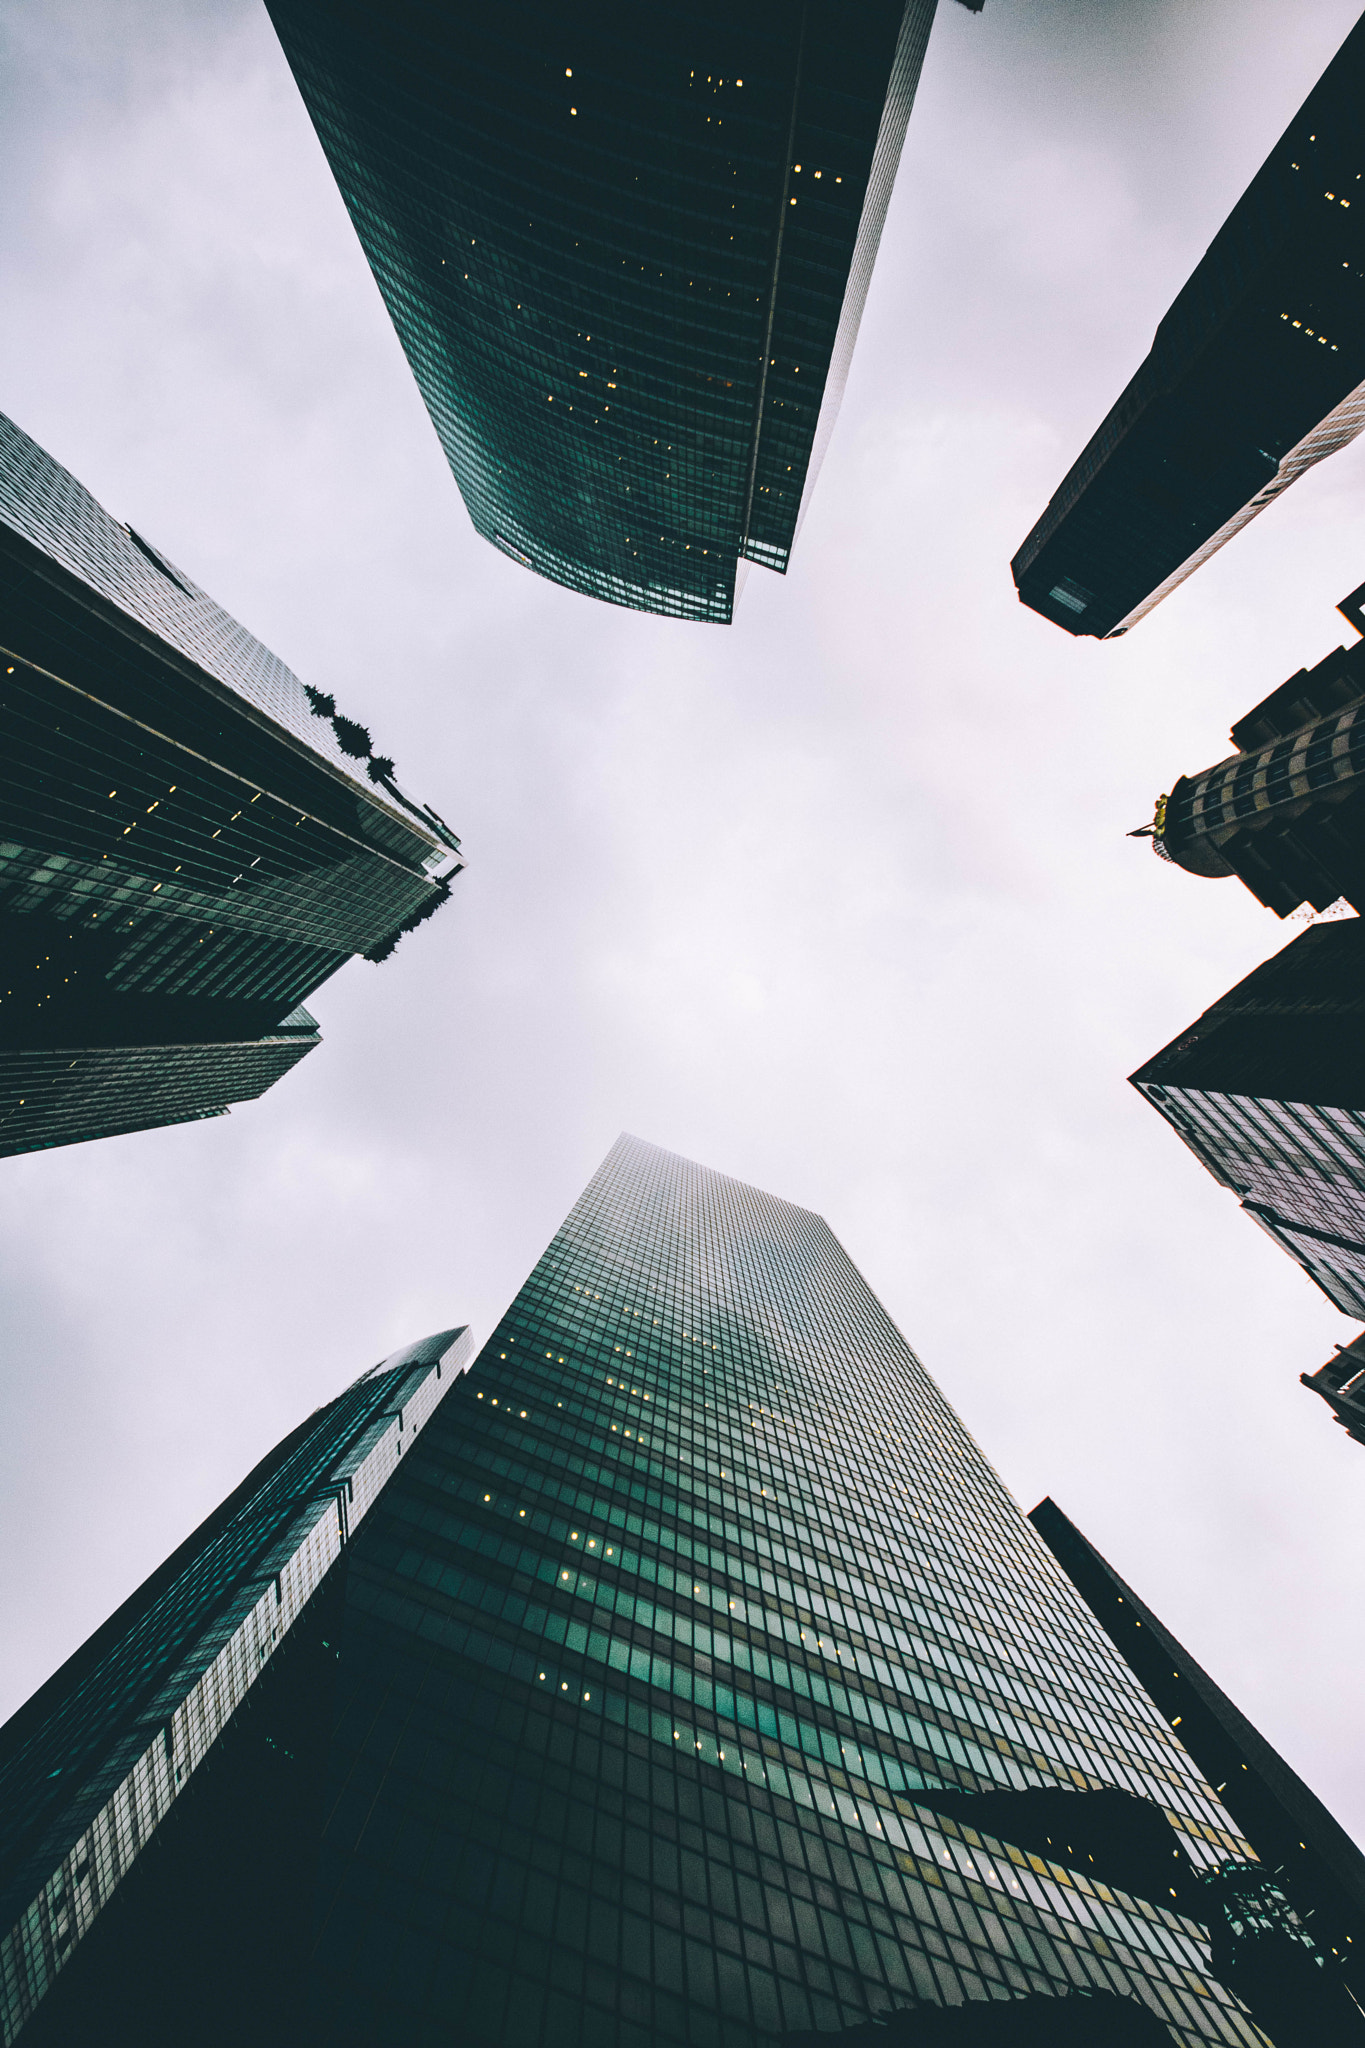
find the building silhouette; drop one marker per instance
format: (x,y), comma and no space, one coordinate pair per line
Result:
(1341,1383)
(191,841)
(1256,373)
(1267,1089)
(100,1765)
(626,252)
(679,1671)
(1312,1860)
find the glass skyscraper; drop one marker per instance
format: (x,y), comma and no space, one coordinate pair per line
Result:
(1312,1859)
(191,840)
(626,251)
(692,1679)
(1256,373)
(103,1759)
(1267,1089)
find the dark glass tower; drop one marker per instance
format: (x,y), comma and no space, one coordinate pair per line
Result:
(1267,1089)
(188,845)
(626,251)
(1286,813)
(1313,1860)
(98,1771)
(693,1679)
(1256,372)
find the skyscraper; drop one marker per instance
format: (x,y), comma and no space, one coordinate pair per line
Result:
(1314,1861)
(1267,1089)
(1286,813)
(102,1761)
(626,252)
(692,1679)
(188,846)
(1256,373)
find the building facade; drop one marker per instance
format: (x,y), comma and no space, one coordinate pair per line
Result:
(626,252)
(191,841)
(1267,1089)
(1256,373)
(1341,1383)
(95,1768)
(692,1679)
(1286,812)
(1314,1862)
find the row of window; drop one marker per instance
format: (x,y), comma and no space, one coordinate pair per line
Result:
(577,1847)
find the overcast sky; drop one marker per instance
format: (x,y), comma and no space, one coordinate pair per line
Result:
(837,900)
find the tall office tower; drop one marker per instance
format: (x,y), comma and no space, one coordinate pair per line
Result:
(1314,1860)
(1267,1089)
(165,1736)
(692,1679)
(188,845)
(1286,813)
(626,251)
(1255,374)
